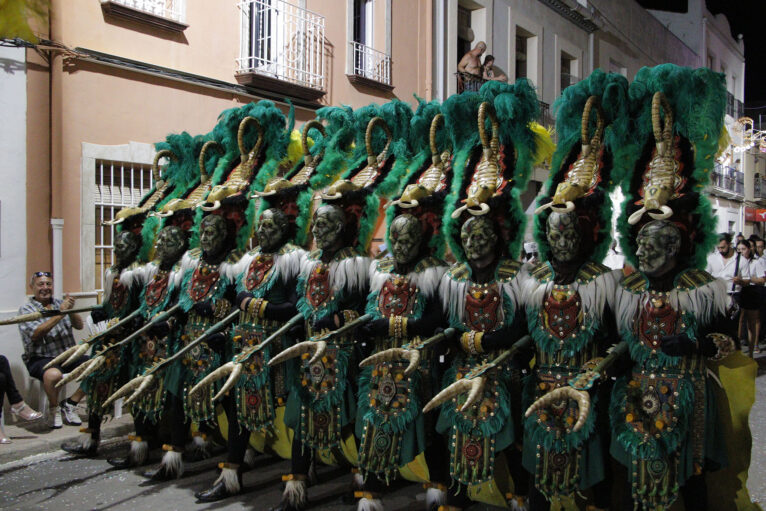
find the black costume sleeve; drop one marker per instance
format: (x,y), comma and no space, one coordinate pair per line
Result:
(286,310)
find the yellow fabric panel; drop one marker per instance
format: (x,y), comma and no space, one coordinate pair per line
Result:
(279,440)
(727,488)
(495,492)
(416,470)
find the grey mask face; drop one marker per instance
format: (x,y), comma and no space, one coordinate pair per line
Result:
(405,236)
(328,226)
(212,234)
(126,247)
(563,236)
(171,244)
(658,245)
(478,238)
(272,230)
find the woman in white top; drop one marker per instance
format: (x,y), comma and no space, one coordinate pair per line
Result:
(750,318)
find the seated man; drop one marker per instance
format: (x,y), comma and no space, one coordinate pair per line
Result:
(44,339)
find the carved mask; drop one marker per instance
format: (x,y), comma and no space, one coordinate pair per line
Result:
(272,230)
(658,245)
(328,226)
(479,240)
(405,236)
(563,236)
(212,234)
(126,247)
(171,244)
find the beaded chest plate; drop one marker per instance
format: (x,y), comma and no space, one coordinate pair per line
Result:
(157,289)
(258,271)
(483,308)
(203,280)
(119,295)
(657,320)
(561,312)
(397,297)
(318,289)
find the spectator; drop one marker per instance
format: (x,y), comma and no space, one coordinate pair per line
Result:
(735,271)
(759,245)
(491,72)
(18,407)
(739,238)
(750,320)
(44,339)
(469,68)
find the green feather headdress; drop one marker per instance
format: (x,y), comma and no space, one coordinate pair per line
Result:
(264,148)
(611,151)
(426,185)
(381,131)
(515,107)
(696,100)
(323,161)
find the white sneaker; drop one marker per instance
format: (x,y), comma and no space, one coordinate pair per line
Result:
(70,414)
(54,417)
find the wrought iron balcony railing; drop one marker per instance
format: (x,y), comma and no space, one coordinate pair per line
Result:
(371,64)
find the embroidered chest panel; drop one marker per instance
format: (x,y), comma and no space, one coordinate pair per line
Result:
(259,271)
(157,289)
(397,297)
(561,314)
(119,296)
(318,290)
(483,308)
(657,319)
(204,281)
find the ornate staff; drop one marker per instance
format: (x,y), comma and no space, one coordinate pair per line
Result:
(410,352)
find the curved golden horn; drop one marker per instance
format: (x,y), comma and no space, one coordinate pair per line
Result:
(372,159)
(308,159)
(662,176)
(437,121)
(484,185)
(164,153)
(253,153)
(203,175)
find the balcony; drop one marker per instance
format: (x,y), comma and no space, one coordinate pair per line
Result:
(370,66)
(282,49)
(166,14)
(727,182)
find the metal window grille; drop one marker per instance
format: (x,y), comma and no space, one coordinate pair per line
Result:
(118,185)
(282,41)
(171,9)
(370,63)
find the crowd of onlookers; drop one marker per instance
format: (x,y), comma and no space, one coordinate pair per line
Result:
(741,263)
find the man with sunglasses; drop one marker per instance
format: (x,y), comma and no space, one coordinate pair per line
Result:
(46,338)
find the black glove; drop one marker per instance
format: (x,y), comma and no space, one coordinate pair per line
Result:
(298,332)
(326,322)
(216,340)
(98,315)
(204,309)
(160,330)
(241,297)
(374,328)
(678,346)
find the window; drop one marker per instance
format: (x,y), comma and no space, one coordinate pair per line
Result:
(166,14)
(568,70)
(523,44)
(521,55)
(282,41)
(368,59)
(710,59)
(118,185)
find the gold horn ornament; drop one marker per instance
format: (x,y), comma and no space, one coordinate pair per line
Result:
(367,175)
(486,180)
(239,179)
(662,179)
(581,397)
(310,164)
(584,173)
(160,187)
(392,354)
(431,180)
(198,194)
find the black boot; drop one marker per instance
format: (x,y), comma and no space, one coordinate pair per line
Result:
(294,495)
(172,466)
(228,483)
(139,451)
(86,445)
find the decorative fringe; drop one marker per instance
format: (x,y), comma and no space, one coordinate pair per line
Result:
(348,274)
(230,480)
(128,276)
(139,451)
(366,504)
(189,263)
(357,482)
(173,463)
(450,413)
(87,441)
(425,276)
(435,498)
(201,445)
(287,264)
(558,441)
(295,494)
(388,423)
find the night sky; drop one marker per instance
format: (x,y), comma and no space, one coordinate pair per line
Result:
(748,17)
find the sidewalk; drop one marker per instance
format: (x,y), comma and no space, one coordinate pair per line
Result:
(31,438)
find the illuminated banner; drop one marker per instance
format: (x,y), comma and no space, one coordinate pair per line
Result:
(755,215)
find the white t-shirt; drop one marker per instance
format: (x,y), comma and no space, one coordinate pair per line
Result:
(722,268)
(758,268)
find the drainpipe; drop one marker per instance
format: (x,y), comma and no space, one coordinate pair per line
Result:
(57,224)
(703,53)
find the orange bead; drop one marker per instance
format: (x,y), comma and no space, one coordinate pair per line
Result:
(629,417)
(659,424)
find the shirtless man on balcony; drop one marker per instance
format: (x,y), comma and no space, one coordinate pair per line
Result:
(469,67)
